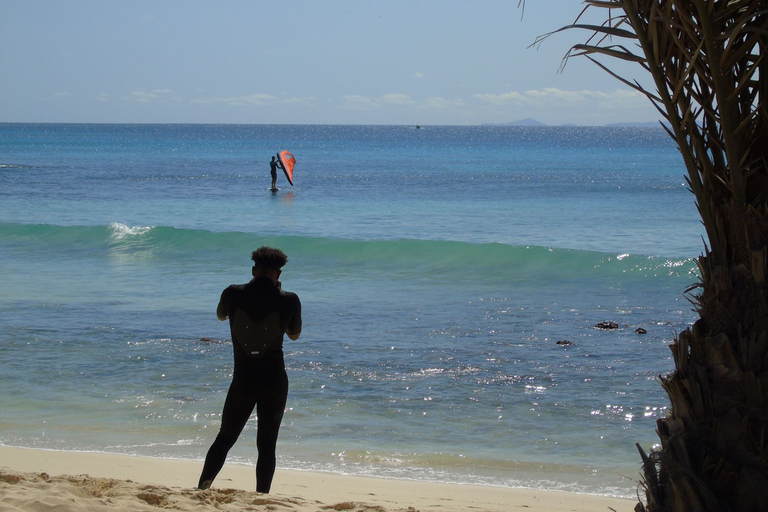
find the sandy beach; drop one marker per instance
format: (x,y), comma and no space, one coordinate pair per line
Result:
(36,480)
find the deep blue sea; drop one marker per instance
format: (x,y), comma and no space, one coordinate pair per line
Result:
(438,268)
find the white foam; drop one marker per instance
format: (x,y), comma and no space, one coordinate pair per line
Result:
(120,230)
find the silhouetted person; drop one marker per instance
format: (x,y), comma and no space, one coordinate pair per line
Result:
(273,165)
(259,314)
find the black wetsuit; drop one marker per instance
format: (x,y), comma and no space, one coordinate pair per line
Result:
(259,382)
(273,169)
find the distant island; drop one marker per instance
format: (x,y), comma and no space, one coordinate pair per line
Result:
(532,122)
(522,122)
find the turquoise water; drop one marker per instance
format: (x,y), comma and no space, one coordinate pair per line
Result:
(438,268)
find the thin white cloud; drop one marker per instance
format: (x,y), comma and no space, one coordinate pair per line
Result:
(397,99)
(298,100)
(435,103)
(501,99)
(256,100)
(142,96)
(552,96)
(148,96)
(103,97)
(419,74)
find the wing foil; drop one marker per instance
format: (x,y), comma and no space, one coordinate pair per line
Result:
(287,162)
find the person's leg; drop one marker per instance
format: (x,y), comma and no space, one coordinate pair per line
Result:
(269,418)
(270,415)
(237,409)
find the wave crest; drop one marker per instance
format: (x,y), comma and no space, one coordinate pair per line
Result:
(120,231)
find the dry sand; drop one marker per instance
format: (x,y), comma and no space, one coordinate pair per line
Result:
(40,481)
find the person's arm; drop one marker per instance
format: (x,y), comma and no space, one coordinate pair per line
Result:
(294,326)
(222,311)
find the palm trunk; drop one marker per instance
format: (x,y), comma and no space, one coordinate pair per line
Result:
(708,62)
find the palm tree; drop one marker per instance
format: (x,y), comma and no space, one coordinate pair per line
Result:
(707,59)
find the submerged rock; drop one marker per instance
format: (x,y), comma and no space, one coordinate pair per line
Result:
(607,325)
(640,330)
(564,342)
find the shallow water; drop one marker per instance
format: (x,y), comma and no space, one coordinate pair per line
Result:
(437,269)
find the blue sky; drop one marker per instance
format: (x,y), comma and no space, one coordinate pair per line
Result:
(302,61)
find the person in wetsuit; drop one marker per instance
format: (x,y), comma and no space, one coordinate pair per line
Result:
(259,313)
(273,171)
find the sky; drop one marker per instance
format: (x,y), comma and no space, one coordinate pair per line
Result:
(402,62)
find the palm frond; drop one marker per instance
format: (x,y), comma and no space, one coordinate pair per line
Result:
(707,59)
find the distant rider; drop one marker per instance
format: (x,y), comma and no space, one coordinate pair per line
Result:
(273,170)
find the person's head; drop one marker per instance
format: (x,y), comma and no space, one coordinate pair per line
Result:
(268,261)
(273,159)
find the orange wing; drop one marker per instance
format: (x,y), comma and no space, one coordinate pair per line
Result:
(287,161)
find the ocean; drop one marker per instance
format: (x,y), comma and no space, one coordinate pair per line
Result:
(451,278)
